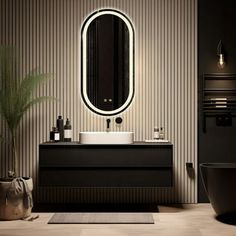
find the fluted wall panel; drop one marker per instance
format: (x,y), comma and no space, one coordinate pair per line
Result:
(46,34)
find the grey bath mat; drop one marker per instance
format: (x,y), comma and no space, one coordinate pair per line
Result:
(101,218)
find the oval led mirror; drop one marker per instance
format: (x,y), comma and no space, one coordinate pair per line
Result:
(107,62)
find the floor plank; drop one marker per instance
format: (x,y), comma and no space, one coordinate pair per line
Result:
(173,220)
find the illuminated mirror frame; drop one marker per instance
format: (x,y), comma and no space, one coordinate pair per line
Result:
(84,30)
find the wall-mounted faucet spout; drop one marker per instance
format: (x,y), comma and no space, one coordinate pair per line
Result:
(108,124)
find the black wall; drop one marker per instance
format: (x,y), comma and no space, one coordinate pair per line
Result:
(216,21)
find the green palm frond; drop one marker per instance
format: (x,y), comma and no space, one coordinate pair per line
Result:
(16,95)
(28,86)
(37,100)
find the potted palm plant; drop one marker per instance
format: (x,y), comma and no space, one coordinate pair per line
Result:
(16,97)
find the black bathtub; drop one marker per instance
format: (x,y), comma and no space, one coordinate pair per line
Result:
(220,184)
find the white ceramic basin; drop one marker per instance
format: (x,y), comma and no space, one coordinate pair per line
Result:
(106,137)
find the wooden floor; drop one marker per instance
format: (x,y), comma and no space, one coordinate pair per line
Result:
(179,220)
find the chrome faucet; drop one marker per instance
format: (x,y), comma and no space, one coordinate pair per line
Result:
(108,124)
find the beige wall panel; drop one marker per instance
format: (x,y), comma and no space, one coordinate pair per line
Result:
(46,34)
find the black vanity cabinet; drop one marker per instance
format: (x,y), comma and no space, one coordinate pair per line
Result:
(130,165)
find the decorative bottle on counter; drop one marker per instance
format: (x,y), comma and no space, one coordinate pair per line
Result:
(156,133)
(161,134)
(54,135)
(60,127)
(67,131)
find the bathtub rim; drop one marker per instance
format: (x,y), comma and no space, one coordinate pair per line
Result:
(219,165)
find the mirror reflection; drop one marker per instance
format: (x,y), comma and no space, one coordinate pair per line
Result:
(107,76)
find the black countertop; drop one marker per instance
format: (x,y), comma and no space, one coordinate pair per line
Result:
(76,143)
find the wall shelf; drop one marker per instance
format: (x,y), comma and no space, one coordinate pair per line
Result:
(218,98)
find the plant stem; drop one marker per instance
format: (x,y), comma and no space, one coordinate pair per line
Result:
(14,163)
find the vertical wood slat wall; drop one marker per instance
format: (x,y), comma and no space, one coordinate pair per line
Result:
(46,34)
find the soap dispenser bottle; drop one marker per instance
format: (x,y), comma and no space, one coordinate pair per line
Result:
(156,133)
(161,134)
(67,131)
(54,135)
(60,127)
